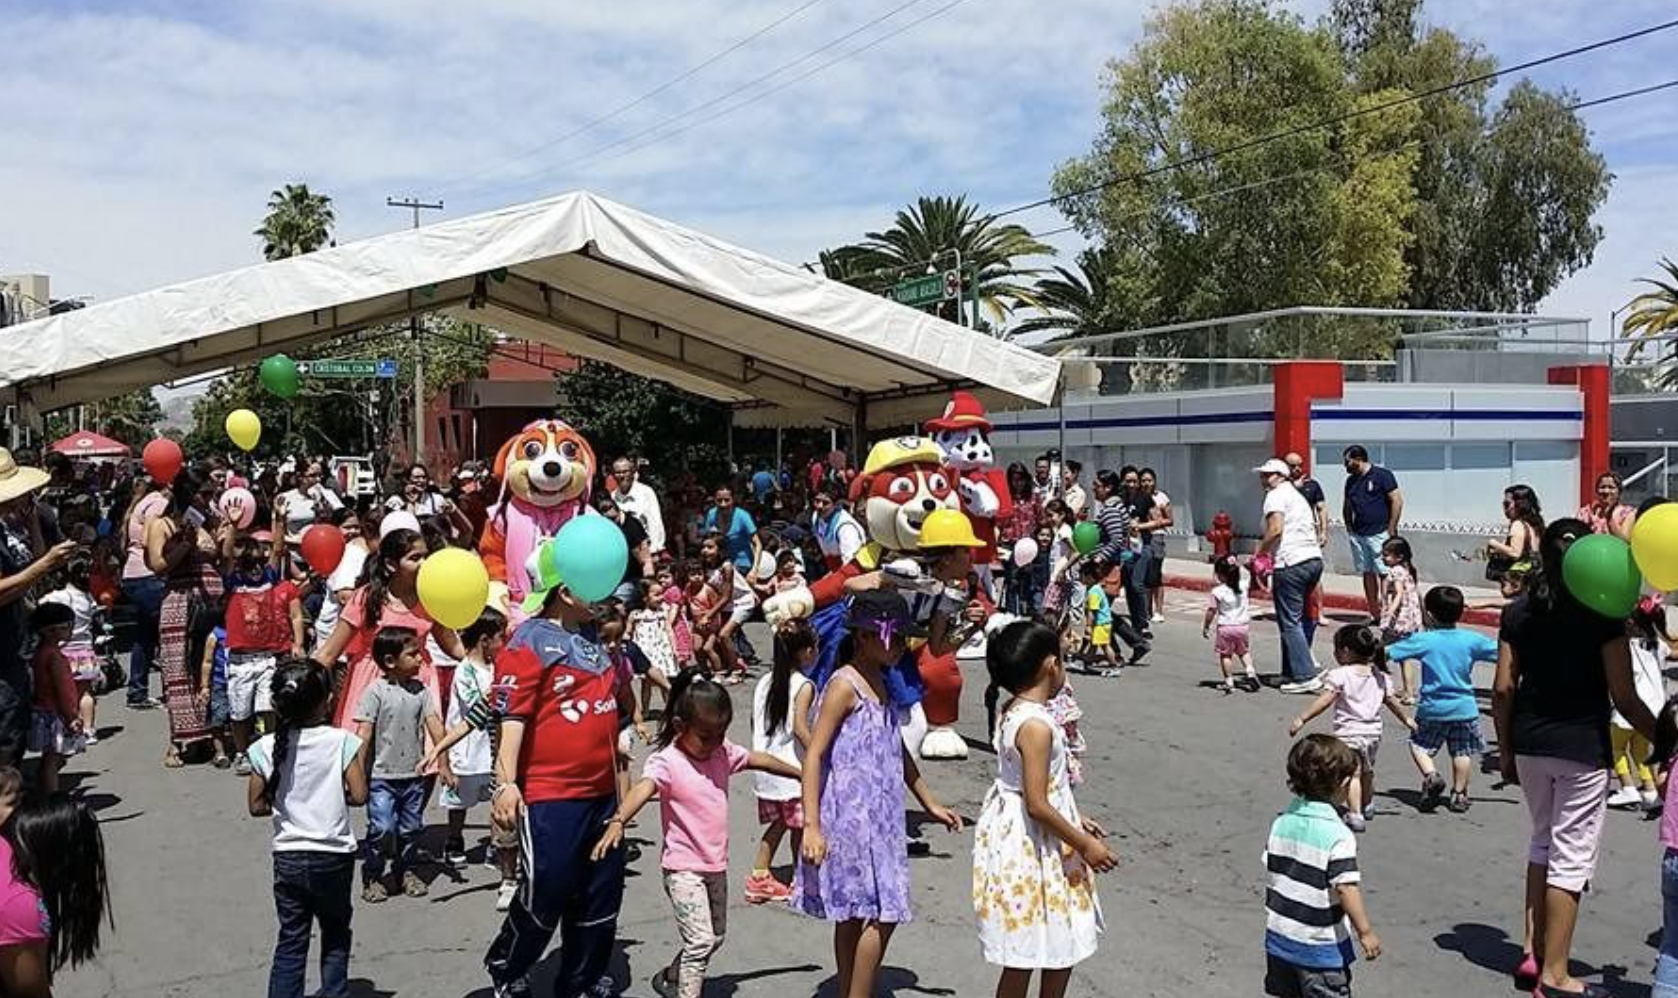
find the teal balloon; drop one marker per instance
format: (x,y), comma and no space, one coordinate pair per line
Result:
(1601,573)
(279,375)
(591,556)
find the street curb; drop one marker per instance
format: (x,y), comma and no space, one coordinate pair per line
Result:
(1331,601)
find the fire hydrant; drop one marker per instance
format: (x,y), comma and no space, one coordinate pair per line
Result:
(1221,536)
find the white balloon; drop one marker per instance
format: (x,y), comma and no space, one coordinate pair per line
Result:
(1025,551)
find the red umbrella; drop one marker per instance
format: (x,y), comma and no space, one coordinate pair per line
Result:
(90,444)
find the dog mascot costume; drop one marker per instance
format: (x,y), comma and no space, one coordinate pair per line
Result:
(546,473)
(962,434)
(902,483)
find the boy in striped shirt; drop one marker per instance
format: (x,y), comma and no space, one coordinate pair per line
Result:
(1312,859)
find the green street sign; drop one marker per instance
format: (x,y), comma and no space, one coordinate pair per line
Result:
(347,368)
(929,289)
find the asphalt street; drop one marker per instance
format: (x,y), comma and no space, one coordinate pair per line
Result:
(1186,779)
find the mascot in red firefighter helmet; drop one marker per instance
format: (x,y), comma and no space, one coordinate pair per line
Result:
(962,434)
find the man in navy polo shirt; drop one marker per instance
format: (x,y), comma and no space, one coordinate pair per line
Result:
(1372,509)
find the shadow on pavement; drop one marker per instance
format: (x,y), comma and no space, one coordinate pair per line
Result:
(893,981)
(725,985)
(361,987)
(1490,948)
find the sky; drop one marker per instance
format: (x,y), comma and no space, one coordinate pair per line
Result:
(142,138)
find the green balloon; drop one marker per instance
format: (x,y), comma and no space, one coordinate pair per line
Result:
(279,375)
(1601,573)
(1086,537)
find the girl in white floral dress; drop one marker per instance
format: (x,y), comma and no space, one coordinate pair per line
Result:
(1033,855)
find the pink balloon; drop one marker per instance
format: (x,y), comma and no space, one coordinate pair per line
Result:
(238,507)
(1025,551)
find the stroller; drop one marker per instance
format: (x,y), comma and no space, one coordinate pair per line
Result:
(111,674)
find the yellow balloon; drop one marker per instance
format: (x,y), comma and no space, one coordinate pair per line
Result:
(453,587)
(243,428)
(1654,543)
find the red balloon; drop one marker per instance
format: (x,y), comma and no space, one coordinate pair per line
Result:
(162,459)
(323,547)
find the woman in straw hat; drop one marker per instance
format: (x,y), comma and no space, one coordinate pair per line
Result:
(181,551)
(24,560)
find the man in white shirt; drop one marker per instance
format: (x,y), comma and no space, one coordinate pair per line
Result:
(1290,536)
(637,498)
(1076,498)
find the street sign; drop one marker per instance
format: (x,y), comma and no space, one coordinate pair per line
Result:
(929,289)
(385,368)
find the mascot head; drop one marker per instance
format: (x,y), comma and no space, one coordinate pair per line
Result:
(902,481)
(962,433)
(548,464)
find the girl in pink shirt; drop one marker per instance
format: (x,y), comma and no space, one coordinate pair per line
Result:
(690,772)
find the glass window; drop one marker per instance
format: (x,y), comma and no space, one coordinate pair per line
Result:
(1480,457)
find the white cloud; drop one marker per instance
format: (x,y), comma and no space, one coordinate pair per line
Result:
(149,140)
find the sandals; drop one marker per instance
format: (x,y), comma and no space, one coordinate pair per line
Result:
(1590,991)
(172,758)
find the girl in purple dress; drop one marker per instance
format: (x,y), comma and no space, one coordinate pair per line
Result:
(855,869)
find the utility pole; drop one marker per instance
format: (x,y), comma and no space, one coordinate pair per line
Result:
(416,205)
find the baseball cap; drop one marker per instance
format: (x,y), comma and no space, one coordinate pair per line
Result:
(886,613)
(1274,466)
(542,567)
(396,520)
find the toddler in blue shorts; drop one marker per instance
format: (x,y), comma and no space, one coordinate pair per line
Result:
(1447,714)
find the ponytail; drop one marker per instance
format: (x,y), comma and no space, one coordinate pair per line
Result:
(792,640)
(300,689)
(380,571)
(1362,643)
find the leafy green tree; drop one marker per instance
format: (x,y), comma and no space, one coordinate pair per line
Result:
(624,413)
(130,418)
(929,234)
(1505,195)
(1082,301)
(1319,217)
(1654,314)
(298,221)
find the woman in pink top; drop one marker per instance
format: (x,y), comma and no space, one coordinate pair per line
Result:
(1608,515)
(143,589)
(689,773)
(388,598)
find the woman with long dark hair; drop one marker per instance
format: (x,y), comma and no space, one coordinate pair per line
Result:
(1520,545)
(54,896)
(1560,669)
(181,551)
(1608,515)
(388,597)
(1020,524)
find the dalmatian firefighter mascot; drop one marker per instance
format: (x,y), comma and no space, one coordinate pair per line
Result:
(962,433)
(546,473)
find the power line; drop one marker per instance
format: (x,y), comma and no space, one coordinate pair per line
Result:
(690,73)
(1212,154)
(526,178)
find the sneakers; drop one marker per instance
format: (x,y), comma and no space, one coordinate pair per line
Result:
(519,988)
(149,703)
(1106,671)
(504,896)
(1251,682)
(1433,790)
(454,853)
(1139,653)
(241,765)
(1158,618)
(1312,685)
(413,886)
(374,892)
(760,889)
(1355,821)
(1625,797)
(1458,804)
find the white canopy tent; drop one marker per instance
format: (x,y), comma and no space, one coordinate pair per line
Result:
(592,277)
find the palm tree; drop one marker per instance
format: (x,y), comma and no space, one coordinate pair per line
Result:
(927,235)
(298,221)
(1655,314)
(1079,302)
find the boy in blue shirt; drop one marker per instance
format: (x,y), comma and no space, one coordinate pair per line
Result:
(1447,714)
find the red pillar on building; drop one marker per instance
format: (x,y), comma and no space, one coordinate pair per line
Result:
(1297,384)
(1596,387)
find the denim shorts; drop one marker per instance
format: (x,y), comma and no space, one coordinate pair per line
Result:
(1366,553)
(1460,737)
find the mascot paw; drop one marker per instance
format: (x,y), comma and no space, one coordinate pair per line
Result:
(978,498)
(943,743)
(793,604)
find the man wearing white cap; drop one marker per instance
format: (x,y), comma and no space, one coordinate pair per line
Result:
(1290,537)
